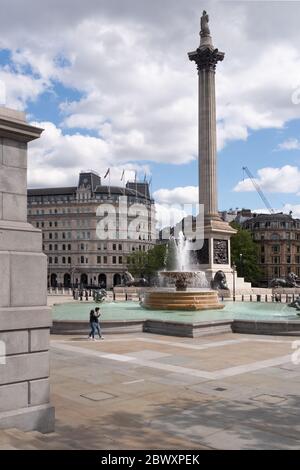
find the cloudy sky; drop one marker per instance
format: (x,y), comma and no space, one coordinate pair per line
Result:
(111,84)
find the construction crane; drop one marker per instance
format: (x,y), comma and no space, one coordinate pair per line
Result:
(258,189)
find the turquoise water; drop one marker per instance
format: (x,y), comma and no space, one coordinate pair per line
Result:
(132,311)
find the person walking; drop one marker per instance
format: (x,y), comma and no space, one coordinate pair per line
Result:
(97,328)
(92,323)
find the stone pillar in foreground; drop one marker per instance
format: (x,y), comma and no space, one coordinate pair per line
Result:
(215,254)
(24,317)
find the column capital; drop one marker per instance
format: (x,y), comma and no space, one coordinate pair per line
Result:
(206,58)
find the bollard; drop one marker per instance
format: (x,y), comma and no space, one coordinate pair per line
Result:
(258,297)
(266,298)
(250,297)
(242,297)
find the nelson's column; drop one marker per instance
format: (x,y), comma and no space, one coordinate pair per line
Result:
(215,254)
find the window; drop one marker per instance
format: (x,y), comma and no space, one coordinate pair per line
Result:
(64,247)
(56,236)
(275,236)
(50,247)
(120,247)
(63,260)
(114,260)
(50,236)
(55,247)
(275,248)
(50,223)
(56,260)
(276,259)
(99,259)
(262,260)
(104,259)
(69,260)
(50,260)
(69,247)
(82,259)
(114,246)
(64,235)
(55,224)
(288,259)
(120,260)
(262,249)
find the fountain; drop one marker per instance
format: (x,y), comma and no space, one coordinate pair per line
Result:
(197,297)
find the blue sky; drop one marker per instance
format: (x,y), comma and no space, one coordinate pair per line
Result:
(112,86)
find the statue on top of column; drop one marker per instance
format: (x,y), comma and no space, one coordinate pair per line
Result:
(205,31)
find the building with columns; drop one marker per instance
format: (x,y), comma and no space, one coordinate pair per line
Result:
(78,254)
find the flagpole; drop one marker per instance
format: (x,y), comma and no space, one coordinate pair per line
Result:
(136,185)
(109,193)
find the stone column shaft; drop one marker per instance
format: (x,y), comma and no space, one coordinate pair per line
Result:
(207,144)
(206,58)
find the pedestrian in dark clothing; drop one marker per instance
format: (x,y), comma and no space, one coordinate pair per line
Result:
(92,319)
(97,328)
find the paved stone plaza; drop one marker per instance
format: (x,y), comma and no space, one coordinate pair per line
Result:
(156,392)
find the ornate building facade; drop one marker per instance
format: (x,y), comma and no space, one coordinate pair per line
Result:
(278,237)
(90,229)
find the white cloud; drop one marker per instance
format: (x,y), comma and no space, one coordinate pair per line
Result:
(277,180)
(56,159)
(168,215)
(179,195)
(129,60)
(289,144)
(17,89)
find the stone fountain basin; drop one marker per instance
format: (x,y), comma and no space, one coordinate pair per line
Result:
(166,299)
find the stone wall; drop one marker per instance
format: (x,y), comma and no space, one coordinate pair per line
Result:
(25,319)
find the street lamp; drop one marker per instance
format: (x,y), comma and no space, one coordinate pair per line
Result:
(241,265)
(233,272)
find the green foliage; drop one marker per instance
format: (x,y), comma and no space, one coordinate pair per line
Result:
(147,263)
(247,264)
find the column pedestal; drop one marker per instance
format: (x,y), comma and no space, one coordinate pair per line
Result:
(25,318)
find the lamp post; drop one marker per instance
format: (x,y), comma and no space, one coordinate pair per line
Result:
(241,265)
(233,272)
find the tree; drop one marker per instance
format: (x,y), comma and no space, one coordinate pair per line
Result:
(245,254)
(147,263)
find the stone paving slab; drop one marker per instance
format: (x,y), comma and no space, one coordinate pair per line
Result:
(156,392)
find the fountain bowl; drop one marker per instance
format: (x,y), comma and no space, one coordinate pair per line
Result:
(181,278)
(181,298)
